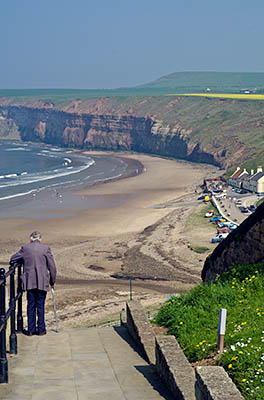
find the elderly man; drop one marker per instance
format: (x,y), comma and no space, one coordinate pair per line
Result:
(39,274)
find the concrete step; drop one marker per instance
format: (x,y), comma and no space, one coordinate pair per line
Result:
(92,363)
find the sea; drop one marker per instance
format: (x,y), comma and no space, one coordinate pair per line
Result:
(37,178)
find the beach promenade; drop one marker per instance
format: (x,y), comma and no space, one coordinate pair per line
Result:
(80,364)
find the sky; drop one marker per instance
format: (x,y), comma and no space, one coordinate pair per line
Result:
(96,44)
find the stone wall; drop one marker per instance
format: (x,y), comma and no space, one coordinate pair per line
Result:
(140,329)
(210,383)
(174,368)
(213,383)
(245,245)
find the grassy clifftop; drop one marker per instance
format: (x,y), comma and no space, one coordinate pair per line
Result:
(231,129)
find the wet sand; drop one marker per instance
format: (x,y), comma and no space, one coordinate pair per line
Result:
(135,230)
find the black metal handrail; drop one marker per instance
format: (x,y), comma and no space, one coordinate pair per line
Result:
(16,324)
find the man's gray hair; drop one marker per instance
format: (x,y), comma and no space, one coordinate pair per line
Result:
(35,236)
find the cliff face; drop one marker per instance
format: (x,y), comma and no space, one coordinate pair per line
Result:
(105,132)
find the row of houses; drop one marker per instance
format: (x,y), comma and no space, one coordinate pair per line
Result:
(253,181)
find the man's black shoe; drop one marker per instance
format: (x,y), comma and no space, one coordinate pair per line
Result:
(27,333)
(42,333)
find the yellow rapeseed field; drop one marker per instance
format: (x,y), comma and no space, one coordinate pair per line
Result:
(224,95)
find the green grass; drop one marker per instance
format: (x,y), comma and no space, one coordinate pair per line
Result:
(260,202)
(179,82)
(193,319)
(230,82)
(197,219)
(199,249)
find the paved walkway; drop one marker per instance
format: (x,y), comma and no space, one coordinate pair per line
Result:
(79,364)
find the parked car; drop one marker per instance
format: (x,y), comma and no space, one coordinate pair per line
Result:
(233,226)
(243,210)
(215,219)
(252,208)
(219,238)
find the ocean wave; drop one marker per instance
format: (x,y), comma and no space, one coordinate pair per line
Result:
(42,178)
(17,149)
(47,155)
(17,195)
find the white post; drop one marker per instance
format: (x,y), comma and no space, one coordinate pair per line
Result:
(221,329)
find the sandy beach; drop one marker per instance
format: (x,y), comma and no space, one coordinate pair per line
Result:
(138,230)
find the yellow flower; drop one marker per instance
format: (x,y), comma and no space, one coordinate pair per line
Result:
(244,380)
(181,323)
(229,366)
(243,323)
(234,358)
(233,287)
(240,352)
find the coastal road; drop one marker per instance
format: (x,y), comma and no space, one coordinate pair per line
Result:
(229,208)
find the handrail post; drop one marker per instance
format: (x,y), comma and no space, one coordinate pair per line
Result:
(3,359)
(12,305)
(19,302)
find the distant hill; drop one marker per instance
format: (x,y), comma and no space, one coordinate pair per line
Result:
(195,82)
(178,82)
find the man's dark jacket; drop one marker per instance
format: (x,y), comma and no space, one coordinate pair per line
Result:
(39,266)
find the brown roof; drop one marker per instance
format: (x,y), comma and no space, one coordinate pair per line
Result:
(237,174)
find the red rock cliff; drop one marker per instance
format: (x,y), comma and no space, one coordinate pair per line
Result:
(105,132)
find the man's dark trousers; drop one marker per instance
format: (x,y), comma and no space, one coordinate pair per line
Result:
(36,302)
